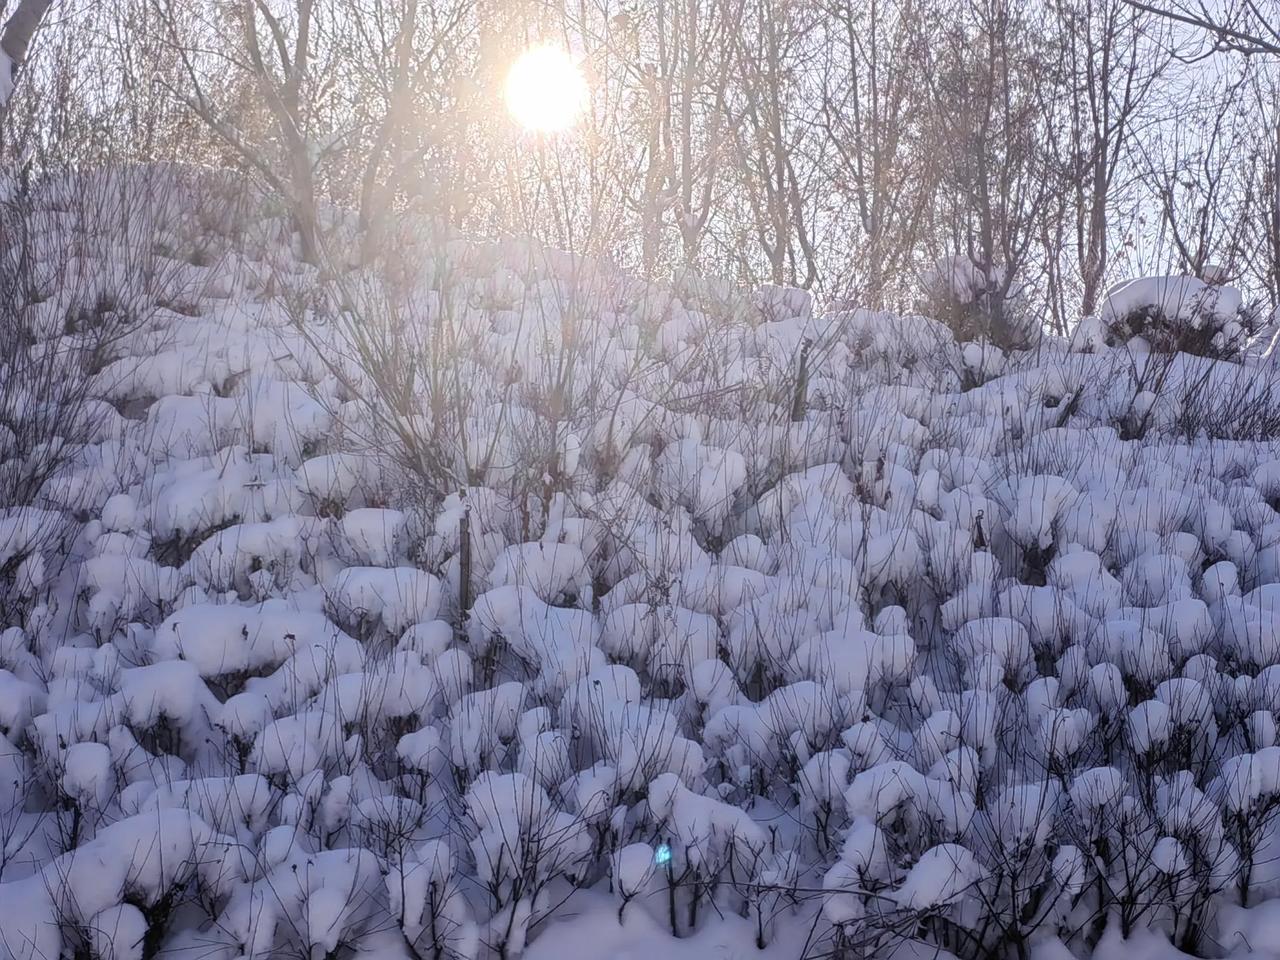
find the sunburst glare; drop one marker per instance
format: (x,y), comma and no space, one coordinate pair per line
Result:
(546,92)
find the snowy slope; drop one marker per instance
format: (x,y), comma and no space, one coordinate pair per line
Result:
(982,653)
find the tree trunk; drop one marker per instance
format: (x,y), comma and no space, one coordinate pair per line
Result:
(20,28)
(15,40)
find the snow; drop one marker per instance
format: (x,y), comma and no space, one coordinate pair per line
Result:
(941,875)
(117,933)
(634,864)
(756,681)
(88,776)
(397,597)
(1190,300)
(550,570)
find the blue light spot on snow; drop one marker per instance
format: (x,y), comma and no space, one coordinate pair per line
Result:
(662,855)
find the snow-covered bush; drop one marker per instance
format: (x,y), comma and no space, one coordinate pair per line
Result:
(978,304)
(1179,314)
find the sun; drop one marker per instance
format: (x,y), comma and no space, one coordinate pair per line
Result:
(546,91)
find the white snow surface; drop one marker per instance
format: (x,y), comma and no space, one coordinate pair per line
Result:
(981,654)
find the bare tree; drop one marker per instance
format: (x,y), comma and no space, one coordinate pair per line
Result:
(684,76)
(404,118)
(986,84)
(61,117)
(1195,179)
(762,116)
(1261,163)
(870,114)
(1248,27)
(273,57)
(305,93)
(1108,61)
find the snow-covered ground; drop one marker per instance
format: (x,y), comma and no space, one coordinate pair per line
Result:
(489,601)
